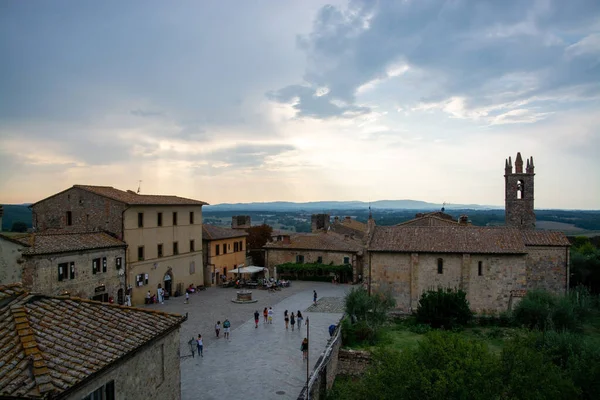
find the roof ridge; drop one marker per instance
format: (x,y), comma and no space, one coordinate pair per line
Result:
(37,365)
(111,305)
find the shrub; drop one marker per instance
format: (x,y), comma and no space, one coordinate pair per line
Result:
(420,328)
(535,310)
(444,308)
(370,308)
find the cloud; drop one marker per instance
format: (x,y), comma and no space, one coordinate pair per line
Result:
(467,55)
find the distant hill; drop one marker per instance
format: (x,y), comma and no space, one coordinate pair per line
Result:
(343,205)
(15,213)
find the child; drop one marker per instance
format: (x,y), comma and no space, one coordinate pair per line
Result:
(304,348)
(218,328)
(270,312)
(200,345)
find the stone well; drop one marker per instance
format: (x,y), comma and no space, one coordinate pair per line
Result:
(243,297)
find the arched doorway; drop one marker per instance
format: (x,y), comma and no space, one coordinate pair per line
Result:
(168,283)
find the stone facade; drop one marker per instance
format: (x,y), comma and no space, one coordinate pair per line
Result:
(353,362)
(319,222)
(10,261)
(547,268)
(519,212)
(88,212)
(40,274)
(241,222)
(151,373)
(407,276)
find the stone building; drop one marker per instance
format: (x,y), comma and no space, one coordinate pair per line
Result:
(241,222)
(163,233)
(70,348)
(224,250)
(88,265)
(495,266)
(320,247)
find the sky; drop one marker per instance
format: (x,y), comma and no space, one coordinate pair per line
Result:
(269,100)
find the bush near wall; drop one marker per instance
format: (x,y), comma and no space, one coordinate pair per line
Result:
(444,308)
(313,270)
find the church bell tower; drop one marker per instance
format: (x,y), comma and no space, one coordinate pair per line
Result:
(518,189)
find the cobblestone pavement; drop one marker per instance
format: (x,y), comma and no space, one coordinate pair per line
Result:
(255,363)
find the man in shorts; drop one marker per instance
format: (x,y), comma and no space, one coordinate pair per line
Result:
(270,314)
(226,328)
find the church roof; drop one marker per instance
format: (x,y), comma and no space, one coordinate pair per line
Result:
(544,238)
(447,239)
(49,345)
(432,219)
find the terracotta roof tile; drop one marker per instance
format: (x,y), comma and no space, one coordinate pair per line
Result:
(212,232)
(447,239)
(432,219)
(43,243)
(545,238)
(64,340)
(328,241)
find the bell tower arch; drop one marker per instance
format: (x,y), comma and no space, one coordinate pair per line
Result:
(518,189)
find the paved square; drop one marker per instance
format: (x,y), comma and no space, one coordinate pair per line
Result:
(254,363)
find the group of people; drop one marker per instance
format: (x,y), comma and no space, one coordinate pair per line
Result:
(159,297)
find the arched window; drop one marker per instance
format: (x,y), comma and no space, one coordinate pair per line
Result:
(440,263)
(520,189)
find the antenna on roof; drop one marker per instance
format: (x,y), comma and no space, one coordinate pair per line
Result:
(139,186)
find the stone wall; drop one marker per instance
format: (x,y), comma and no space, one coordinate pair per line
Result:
(547,268)
(151,373)
(89,212)
(326,368)
(40,273)
(353,362)
(407,276)
(10,261)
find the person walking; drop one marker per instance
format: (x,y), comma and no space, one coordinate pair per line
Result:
(226,328)
(187,297)
(200,345)
(256,318)
(270,313)
(286,318)
(304,348)
(265,315)
(292,320)
(299,318)
(314,297)
(218,328)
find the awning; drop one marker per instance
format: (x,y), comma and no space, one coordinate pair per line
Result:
(248,270)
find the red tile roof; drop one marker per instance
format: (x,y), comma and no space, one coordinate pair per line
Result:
(132,198)
(544,238)
(447,239)
(49,344)
(43,243)
(212,232)
(430,220)
(327,241)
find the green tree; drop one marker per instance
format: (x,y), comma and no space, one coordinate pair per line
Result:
(444,308)
(19,226)
(258,236)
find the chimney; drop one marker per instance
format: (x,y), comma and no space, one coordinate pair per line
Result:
(463,220)
(348,219)
(286,239)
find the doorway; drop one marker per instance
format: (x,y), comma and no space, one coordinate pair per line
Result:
(168,280)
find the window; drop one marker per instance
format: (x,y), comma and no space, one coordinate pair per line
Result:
(346,260)
(95,265)
(299,259)
(141,253)
(241,245)
(104,264)
(175,218)
(104,392)
(440,263)
(175,248)
(191,218)
(140,220)
(63,271)
(480,268)
(319,260)
(159,250)
(159,219)
(71,270)
(69,218)
(217,252)
(119,262)
(192,267)
(141,279)
(235,246)
(192,246)
(224,248)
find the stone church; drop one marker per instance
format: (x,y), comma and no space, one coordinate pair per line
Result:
(495,266)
